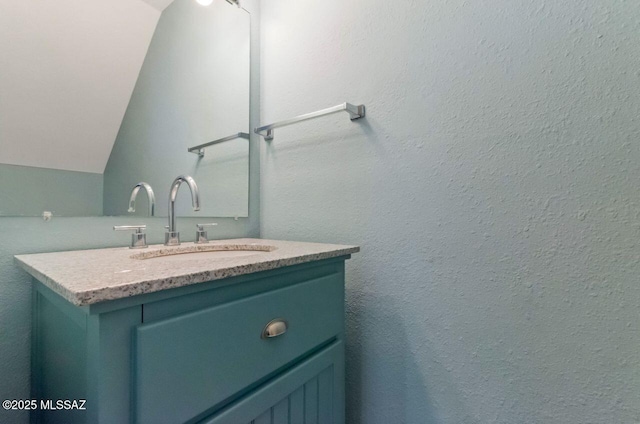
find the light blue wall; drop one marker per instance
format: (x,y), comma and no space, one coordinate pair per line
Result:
(493,188)
(28,191)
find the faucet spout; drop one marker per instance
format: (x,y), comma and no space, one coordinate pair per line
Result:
(172,237)
(150,195)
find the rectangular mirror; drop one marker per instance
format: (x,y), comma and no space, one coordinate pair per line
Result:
(97,96)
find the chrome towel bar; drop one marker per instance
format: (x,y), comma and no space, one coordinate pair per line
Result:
(199,149)
(355,112)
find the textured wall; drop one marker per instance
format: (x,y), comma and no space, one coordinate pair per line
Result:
(493,188)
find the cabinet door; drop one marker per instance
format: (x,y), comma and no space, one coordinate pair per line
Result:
(310,393)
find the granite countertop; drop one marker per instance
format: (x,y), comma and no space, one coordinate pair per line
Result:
(85,277)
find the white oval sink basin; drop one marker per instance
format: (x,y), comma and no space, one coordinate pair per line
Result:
(204,252)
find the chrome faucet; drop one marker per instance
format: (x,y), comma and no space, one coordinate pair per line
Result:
(150,196)
(172,237)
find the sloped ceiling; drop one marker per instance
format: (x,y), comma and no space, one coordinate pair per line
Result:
(67,71)
(159,4)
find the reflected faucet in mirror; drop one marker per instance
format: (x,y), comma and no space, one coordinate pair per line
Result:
(150,196)
(172,237)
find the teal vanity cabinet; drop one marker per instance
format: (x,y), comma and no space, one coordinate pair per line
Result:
(200,353)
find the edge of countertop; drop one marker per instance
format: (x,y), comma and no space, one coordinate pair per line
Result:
(136,288)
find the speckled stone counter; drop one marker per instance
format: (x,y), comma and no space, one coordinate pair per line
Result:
(85,277)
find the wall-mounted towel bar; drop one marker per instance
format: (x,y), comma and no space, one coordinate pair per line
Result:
(355,112)
(199,149)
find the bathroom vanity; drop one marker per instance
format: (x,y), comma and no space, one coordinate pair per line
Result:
(230,332)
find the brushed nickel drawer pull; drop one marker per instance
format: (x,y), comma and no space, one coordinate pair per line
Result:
(275,328)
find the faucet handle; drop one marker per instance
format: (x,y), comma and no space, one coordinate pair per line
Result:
(201,234)
(138,238)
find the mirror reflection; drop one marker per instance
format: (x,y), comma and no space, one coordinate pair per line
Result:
(98,96)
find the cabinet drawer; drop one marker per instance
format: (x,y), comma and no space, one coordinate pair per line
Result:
(189,365)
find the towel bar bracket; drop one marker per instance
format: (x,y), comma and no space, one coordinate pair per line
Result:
(355,112)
